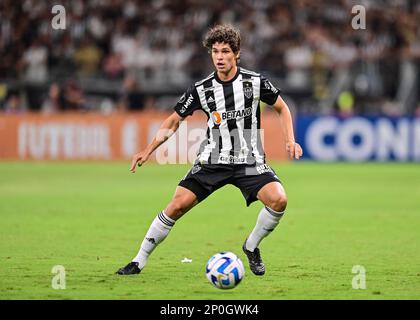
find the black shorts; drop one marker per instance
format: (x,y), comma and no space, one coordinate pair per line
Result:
(204,179)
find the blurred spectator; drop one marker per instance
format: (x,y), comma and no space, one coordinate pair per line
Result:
(52,103)
(35,62)
(113,67)
(131,98)
(298,60)
(3,95)
(73,99)
(308,47)
(87,57)
(14,105)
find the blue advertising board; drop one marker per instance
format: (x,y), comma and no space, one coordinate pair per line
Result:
(329,138)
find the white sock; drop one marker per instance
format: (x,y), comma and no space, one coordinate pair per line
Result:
(157,232)
(267,220)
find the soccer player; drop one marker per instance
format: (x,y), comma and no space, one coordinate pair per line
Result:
(232,153)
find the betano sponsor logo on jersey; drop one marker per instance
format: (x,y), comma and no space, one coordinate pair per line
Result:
(231,115)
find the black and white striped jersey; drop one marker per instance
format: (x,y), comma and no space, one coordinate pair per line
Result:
(233,112)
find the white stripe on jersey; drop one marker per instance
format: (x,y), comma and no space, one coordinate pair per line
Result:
(238,93)
(223,127)
(254,126)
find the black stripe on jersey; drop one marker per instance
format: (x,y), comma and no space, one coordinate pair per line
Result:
(248,120)
(211,102)
(231,123)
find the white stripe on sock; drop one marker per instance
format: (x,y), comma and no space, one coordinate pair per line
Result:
(267,221)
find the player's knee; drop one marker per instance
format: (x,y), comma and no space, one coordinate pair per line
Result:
(177,208)
(278,203)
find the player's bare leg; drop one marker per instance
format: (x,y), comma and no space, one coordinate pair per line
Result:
(182,201)
(273,196)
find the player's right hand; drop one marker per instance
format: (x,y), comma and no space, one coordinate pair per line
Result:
(138,159)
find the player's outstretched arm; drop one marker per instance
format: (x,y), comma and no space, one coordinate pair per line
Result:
(166,130)
(293,149)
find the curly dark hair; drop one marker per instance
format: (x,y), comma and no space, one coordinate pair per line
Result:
(223,33)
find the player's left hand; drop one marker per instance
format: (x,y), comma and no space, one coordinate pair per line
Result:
(294,150)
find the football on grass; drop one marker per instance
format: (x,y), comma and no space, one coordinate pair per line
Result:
(225,270)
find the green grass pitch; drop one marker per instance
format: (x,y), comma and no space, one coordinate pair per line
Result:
(91,218)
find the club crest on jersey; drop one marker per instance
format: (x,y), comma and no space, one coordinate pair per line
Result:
(248,91)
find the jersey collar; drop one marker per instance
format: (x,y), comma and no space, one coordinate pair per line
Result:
(229,81)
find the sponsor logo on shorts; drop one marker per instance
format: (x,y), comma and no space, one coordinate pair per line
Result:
(264,168)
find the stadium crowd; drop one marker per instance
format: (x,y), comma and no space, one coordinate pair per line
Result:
(129,55)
